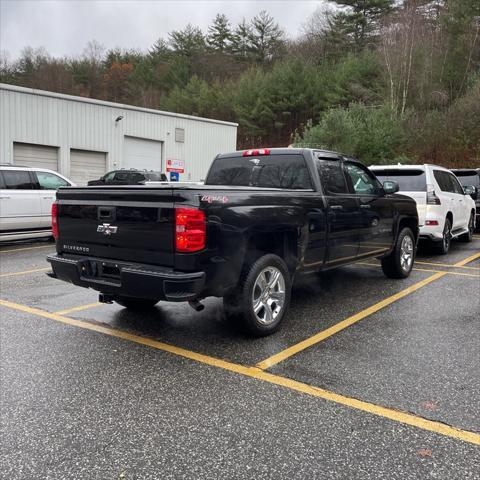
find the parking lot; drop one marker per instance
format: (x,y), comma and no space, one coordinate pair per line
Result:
(369,378)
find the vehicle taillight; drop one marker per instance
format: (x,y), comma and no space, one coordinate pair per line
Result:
(54,220)
(432,198)
(190,230)
(254,153)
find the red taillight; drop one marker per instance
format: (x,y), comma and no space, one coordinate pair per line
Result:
(254,153)
(431,223)
(190,230)
(432,198)
(54,220)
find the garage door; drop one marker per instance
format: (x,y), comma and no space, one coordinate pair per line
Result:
(86,165)
(38,156)
(142,153)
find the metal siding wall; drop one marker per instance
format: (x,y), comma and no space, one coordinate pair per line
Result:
(70,124)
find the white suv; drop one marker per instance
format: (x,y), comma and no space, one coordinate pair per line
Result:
(26,197)
(445,211)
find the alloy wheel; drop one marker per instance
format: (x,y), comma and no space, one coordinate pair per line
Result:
(268,297)
(406,253)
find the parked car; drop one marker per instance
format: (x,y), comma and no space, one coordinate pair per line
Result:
(129,177)
(262,218)
(26,197)
(445,210)
(470,177)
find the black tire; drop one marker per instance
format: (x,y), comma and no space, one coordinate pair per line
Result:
(272,301)
(443,246)
(136,304)
(468,237)
(399,263)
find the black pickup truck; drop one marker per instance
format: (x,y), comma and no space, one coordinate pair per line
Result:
(262,218)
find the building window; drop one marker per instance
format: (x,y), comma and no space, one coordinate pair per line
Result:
(180,135)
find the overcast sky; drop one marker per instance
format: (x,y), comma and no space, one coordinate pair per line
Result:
(64,27)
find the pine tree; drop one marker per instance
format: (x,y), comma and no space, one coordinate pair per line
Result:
(266,38)
(187,42)
(220,35)
(358,21)
(240,43)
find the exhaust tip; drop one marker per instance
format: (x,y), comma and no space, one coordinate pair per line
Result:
(196,305)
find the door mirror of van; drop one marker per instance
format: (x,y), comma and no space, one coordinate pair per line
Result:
(471,190)
(390,186)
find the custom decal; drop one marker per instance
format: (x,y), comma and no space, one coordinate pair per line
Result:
(215,198)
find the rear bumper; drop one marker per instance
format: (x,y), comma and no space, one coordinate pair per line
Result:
(432,232)
(129,279)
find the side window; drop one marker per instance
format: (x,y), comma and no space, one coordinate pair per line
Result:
(363,181)
(455,184)
(109,177)
(443,181)
(17,180)
(121,176)
(136,177)
(332,176)
(49,181)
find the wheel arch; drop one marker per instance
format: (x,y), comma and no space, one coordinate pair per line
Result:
(282,243)
(450,217)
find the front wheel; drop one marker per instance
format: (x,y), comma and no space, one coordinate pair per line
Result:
(468,237)
(262,296)
(136,304)
(399,263)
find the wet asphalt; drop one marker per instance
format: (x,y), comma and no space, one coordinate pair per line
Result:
(80,404)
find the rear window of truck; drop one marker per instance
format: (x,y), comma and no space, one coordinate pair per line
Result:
(409,180)
(268,171)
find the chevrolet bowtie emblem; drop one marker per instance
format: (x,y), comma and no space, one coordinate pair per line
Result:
(107,229)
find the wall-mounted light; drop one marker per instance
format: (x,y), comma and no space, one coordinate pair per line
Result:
(120,117)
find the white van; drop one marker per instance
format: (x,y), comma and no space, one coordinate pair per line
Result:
(26,197)
(445,210)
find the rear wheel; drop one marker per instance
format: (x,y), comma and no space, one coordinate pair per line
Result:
(399,263)
(443,247)
(261,297)
(138,304)
(468,237)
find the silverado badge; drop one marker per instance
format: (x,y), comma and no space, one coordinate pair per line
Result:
(107,229)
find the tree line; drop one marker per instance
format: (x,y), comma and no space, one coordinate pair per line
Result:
(383,80)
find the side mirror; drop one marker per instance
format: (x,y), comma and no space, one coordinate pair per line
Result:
(471,190)
(390,186)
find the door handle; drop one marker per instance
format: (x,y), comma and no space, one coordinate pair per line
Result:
(4,196)
(365,206)
(47,198)
(336,207)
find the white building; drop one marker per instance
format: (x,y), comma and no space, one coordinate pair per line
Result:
(84,138)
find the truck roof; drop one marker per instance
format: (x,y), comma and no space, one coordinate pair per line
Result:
(284,151)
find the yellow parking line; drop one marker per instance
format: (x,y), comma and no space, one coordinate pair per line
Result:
(445,265)
(469,259)
(26,248)
(298,347)
(24,272)
(255,373)
(430,270)
(79,308)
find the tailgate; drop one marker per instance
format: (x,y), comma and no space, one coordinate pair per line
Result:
(128,224)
